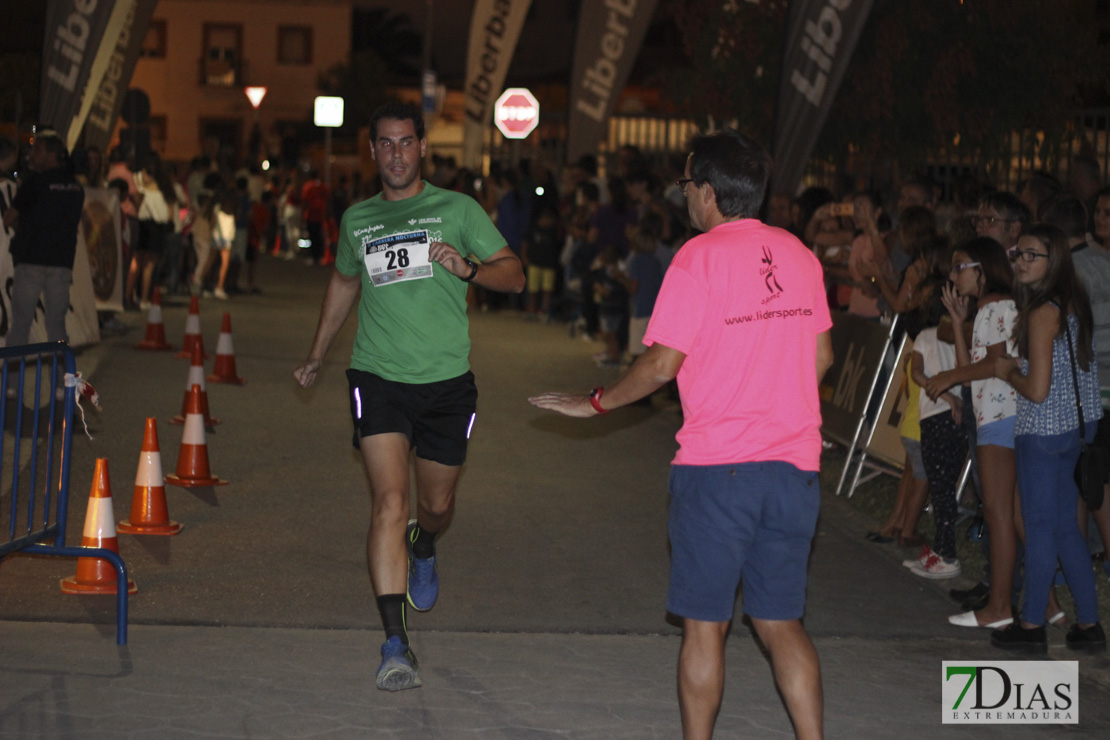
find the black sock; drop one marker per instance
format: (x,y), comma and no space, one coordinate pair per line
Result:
(423,543)
(392,609)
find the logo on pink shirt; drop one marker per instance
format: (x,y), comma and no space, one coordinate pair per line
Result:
(769,278)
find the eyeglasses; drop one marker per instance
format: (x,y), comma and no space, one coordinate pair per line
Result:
(990,220)
(1027,255)
(960,267)
(683,183)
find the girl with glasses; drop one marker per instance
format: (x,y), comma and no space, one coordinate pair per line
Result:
(1056,371)
(981,275)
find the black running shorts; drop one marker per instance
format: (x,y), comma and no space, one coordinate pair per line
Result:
(435,417)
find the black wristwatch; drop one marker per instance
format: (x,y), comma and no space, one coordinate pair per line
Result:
(473,269)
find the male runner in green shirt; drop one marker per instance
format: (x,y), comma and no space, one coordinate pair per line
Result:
(408,251)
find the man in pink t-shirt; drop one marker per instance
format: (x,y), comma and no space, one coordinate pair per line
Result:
(742,322)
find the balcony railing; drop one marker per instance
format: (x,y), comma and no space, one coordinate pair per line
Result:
(223,72)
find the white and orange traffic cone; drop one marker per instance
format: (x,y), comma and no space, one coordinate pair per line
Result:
(155,329)
(223,370)
(192,460)
(196,377)
(96,575)
(149,511)
(192,331)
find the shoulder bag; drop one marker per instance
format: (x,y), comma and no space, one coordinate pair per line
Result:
(1093,467)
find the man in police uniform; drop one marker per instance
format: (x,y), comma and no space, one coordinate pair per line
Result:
(45,215)
(409,251)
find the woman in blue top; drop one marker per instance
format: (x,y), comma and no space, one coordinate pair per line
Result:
(1053,327)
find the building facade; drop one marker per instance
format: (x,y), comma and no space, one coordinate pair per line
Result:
(199,55)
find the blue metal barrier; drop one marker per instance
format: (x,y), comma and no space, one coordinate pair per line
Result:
(35,460)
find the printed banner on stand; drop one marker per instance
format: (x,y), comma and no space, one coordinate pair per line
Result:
(81,322)
(820,38)
(885,442)
(610,34)
(79,39)
(494,31)
(102,239)
(858,347)
(108,101)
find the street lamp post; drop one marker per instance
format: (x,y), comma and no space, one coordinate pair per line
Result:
(328,114)
(255,94)
(428,75)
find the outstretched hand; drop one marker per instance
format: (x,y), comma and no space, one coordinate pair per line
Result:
(570,404)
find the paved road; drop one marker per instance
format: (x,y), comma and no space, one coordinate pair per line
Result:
(257,620)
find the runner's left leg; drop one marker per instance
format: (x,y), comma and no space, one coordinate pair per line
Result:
(435,494)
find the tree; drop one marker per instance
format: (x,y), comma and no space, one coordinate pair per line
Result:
(385,51)
(361,82)
(391,37)
(734,52)
(928,75)
(924,75)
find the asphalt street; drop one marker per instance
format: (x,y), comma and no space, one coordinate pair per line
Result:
(257,620)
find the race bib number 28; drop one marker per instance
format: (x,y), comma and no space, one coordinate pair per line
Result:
(397,258)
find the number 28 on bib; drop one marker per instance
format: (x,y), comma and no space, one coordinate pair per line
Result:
(397,258)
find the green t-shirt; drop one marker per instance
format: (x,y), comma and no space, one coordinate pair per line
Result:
(412,325)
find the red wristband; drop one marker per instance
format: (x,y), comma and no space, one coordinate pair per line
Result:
(595,400)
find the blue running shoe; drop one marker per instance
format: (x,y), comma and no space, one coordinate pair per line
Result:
(423,586)
(398,669)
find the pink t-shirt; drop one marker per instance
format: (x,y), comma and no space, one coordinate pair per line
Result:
(745,303)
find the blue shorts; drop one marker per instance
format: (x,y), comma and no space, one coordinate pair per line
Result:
(999,433)
(747,522)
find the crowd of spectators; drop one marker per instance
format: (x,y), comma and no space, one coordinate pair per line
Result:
(594,248)
(963,274)
(201,231)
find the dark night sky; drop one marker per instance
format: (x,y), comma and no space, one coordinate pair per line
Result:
(21,29)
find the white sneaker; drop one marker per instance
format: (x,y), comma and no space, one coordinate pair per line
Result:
(937,568)
(920,560)
(220,294)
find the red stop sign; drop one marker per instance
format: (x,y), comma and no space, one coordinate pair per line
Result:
(516,113)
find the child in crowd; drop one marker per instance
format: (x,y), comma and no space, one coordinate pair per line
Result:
(223,237)
(540,253)
(1056,374)
(913,488)
(943,448)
